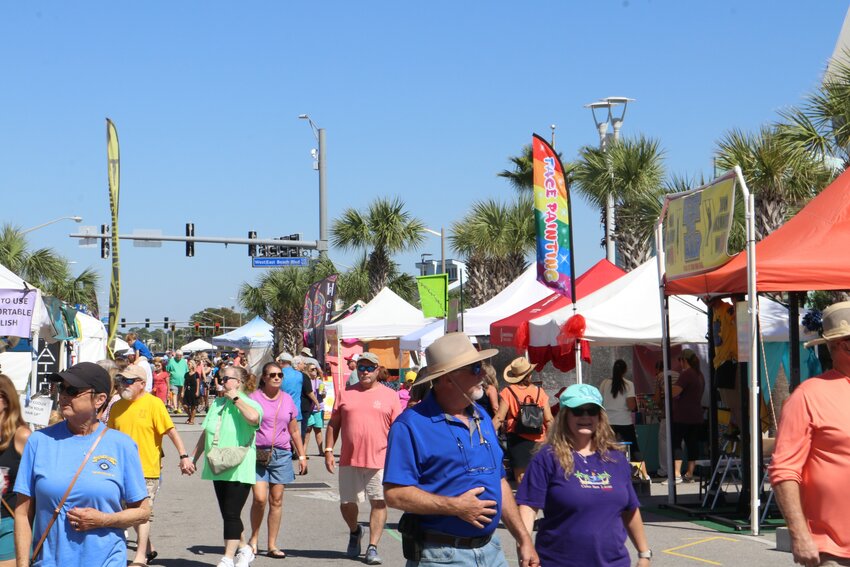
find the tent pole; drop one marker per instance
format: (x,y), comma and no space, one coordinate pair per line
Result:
(34,371)
(577,350)
(794,339)
(752,300)
(665,354)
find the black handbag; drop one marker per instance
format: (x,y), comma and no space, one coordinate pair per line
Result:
(530,417)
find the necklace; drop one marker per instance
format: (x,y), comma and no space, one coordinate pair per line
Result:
(582,457)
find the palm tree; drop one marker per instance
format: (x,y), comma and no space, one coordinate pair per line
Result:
(47,270)
(821,125)
(631,170)
(278,298)
(494,238)
(521,176)
(781,177)
(34,266)
(385,229)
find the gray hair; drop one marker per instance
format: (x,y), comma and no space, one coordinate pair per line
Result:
(298,360)
(110,366)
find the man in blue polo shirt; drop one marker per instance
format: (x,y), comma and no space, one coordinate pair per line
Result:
(444,467)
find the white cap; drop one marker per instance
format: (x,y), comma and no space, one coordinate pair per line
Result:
(284,357)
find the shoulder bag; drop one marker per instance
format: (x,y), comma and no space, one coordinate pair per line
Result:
(264,456)
(529,420)
(223,459)
(56,510)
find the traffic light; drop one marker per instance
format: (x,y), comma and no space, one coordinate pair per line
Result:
(165,322)
(294,251)
(252,248)
(147,323)
(190,246)
(104,242)
(123,322)
(197,327)
(217,326)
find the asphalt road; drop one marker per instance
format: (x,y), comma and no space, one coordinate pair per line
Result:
(187,526)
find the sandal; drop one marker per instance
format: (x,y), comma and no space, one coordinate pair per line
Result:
(151,555)
(276,553)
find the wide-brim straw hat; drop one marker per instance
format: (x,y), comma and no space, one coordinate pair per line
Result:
(836,324)
(450,352)
(518,370)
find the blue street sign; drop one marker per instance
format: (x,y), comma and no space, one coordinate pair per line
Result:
(300,262)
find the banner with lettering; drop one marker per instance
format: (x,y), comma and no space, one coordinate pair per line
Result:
(318,310)
(552,220)
(16,309)
(696,228)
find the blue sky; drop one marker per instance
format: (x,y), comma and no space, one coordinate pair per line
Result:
(421,100)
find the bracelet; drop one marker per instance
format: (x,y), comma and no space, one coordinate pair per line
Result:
(329,449)
(234,400)
(302,458)
(184,456)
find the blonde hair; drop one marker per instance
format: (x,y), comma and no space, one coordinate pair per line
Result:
(604,440)
(489,374)
(12,419)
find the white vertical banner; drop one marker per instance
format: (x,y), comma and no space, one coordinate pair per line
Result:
(742,322)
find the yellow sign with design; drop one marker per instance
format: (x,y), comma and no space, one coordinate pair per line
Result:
(696,228)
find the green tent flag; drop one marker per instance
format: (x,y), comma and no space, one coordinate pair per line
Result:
(433,294)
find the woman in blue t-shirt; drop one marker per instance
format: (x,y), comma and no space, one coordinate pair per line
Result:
(582,481)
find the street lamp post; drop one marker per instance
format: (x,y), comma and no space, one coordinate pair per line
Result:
(319,133)
(442,235)
(76,219)
(608,104)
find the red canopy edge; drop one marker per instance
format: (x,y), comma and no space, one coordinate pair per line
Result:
(512,331)
(809,252)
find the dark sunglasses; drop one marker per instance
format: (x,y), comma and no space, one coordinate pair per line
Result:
(72,391)
(275,374)
(366,368)
(226,378)
(128,381)
(475,368)
(592,411)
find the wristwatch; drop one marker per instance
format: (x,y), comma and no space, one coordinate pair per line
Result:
(302,458)
(234,399)
(184,457)
(645,554)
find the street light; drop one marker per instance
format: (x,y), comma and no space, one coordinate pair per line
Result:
(319,133)
(442,235)
(74,218)
(607,105)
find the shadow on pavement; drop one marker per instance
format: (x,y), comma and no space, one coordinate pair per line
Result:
(316,553)
(180,563)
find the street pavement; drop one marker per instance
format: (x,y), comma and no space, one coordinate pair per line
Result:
(187,526)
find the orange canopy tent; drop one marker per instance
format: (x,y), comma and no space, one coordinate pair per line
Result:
(809,252)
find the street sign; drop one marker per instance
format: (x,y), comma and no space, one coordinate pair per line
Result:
(300,262)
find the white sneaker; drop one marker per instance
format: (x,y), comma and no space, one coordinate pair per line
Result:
(225,562)
(679,480)
(244,556)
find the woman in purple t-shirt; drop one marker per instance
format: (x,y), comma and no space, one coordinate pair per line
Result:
(278,433)
(581,479)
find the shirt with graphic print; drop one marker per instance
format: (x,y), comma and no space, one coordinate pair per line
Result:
(582,523)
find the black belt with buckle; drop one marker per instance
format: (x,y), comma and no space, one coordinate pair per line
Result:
(452,541)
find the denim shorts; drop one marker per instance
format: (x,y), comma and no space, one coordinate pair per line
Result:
(7,539)
(490,555)
(279,470)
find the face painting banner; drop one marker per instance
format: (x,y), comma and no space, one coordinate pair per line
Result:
(318,310)
(552,221)
(696,228)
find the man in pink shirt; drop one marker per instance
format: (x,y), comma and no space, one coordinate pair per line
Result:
(363,417)
(811,462)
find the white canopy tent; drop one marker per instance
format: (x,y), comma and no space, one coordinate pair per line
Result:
(198,344)
(91,345)
(255,337)
(386,316)
(522,292)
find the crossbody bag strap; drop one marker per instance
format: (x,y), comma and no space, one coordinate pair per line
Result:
(8,508)
(274,423)
(56,510)
(218,428)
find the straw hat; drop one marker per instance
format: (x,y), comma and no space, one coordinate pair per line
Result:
(450,352)
(518,370)
(836,323)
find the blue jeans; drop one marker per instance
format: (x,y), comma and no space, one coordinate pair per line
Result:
(490,555)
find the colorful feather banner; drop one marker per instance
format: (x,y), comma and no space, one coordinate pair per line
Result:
(114,176)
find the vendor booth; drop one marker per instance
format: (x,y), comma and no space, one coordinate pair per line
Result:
(255,338)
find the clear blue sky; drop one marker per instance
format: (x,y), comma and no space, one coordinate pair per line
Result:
(421,100)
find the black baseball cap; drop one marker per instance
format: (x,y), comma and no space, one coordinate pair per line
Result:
(85,375)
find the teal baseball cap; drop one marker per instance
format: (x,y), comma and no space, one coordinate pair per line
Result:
(579,395)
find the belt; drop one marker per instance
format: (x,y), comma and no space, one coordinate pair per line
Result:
(452,541)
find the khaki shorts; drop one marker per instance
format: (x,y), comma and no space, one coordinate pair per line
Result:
(358,483)
(828,560)
(152,484)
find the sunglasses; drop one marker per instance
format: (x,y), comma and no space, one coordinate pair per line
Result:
(592,411)
(226,378)
(275,374)
(128,381)
(72,391)
(475,368)
(366,368)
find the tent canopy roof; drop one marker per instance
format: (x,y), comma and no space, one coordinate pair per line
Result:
(198,344)
(255,333)
(513,330)
(386,316)
(808,252)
